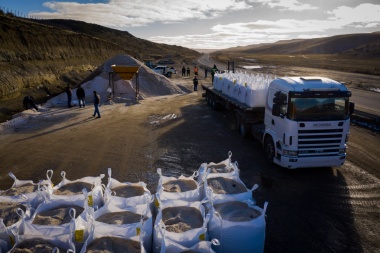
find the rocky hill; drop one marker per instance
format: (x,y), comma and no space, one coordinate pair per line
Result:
(39,57)
(365,44)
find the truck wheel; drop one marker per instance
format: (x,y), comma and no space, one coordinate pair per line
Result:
(244,130)
(269,149)
(169,74)
(214,105)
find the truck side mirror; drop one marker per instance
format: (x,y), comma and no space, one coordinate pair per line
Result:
(351,108)
(276,110)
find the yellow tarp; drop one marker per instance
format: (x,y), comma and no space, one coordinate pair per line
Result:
(126,72)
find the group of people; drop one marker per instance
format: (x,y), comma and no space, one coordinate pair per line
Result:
(81,95)
(195,80)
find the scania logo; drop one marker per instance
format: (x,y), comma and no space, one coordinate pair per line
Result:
(322,125)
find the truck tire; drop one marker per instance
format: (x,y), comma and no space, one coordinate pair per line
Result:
(214,104)
(169,74)
(269,148)
(236,123)
(245,130)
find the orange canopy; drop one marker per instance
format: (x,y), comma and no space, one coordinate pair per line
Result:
(126,72)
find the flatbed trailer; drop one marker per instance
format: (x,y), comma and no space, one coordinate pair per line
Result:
(247,120)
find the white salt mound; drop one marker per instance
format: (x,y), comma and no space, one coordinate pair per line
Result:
(180,185)
(219,168)
(236,211)
(113,245)
(221,185)
(57,216)
(8,212)
(15,191)
(73,188)
(128,191)
(119,218)
(181,219)
(34,246)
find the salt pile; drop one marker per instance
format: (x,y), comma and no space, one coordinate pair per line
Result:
(118,218)
(8,212)
(179,185)
(56,216)
(73,188)
(236,211)
(181,219)
(114,245)
(222,185)
(34,245)
(128,191)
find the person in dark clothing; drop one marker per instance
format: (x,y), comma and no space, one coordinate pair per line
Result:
(29,101)
(213,71)
(188,71)
(206,72)
(81,95)
(96,104)
(69,95)
(195,82)
(183,71)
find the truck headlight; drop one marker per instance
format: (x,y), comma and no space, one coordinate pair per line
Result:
(287,152)
(342,151)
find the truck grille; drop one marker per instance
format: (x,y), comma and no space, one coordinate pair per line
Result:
(324,142)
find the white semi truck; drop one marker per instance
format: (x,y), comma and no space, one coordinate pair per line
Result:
(304,121)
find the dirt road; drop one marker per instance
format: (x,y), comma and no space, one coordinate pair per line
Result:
(310,210)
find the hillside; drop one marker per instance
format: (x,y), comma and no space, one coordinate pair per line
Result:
(40,58)
(365,44)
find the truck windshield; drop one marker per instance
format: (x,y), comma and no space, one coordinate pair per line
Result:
(318,109)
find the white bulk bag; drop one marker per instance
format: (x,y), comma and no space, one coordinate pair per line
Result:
(227,85)
(95,196)
(192,195)
(109,195)
(59,235)
(168,246)
(218,82)
(145,226)
(187,238)
(243,236)
(241,92)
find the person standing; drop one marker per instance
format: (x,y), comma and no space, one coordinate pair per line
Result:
(195,71)
(96,104)
(183,71)
(81,95)
(188,71)
(29,101)
(195,82)
(213,71)
(206,72)
(69,95)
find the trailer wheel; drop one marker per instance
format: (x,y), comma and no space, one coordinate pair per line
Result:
(269,149)
(169,74)
(244,130)
(214,104)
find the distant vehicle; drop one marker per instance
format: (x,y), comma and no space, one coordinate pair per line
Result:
(165,70)
(150,64)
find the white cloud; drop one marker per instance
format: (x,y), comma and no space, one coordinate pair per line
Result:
(292,5)
(121,14)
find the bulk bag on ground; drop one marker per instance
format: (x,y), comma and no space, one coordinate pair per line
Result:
(238,230)
(180,221)
(67,189)
(129,194)
(169,246)
(181,188)
(129,218)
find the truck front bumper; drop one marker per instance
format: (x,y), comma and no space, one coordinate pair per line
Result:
(310,162)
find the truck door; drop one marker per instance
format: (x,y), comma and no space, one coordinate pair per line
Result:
(277,124)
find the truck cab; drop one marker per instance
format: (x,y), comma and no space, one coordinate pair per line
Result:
(307,122)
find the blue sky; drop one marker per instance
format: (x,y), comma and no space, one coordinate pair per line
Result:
(213,24)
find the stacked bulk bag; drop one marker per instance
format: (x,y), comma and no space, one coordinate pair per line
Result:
(126,193)
(169,246)
(239,226)
(180,221)
(181,188)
